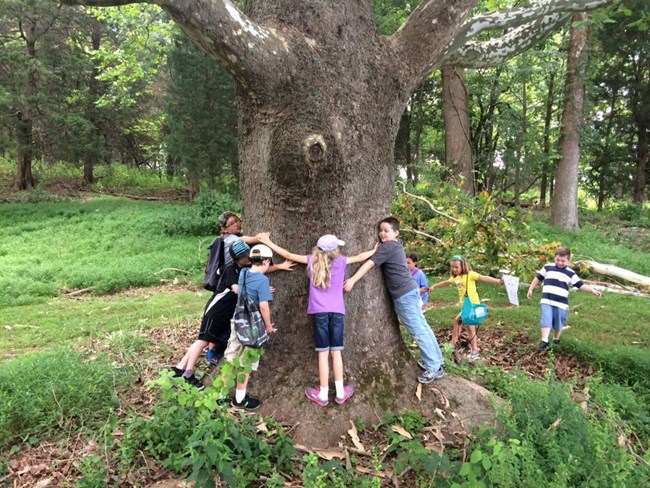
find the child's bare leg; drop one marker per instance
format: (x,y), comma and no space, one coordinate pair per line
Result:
(191,356)
(455,332)
(473,341)
(337,365)
(545,333)
(324,368)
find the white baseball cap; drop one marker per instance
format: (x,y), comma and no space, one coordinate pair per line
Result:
(260,251)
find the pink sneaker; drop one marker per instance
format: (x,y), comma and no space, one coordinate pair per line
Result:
(312,394)
(348,391)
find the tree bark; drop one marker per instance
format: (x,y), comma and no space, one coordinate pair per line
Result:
(458,145)
(564,212)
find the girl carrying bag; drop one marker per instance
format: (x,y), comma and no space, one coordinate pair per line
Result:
(247,320)
(472,314)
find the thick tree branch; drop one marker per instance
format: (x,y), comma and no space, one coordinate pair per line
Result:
(243,47)
(433,24)
(524,28)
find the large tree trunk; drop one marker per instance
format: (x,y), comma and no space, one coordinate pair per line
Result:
(317,158)
(564,212)
(458,145)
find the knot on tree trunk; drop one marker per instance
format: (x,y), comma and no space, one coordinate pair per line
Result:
(314,148)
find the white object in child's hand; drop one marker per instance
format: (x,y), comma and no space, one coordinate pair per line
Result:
(512,285)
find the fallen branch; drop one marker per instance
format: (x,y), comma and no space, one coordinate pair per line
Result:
(609,270)
(171,269)
(435,210)
(78,292)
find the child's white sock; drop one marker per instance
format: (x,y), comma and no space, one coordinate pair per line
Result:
(340,392)
(187,373)
(240,395)
(322,393)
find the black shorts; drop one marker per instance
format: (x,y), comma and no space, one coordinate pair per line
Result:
(215,324)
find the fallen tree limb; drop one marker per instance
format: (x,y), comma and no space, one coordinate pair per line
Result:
(419,232)
(428,203)
(615,271)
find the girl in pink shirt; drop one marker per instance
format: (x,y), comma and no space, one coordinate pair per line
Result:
(326,271)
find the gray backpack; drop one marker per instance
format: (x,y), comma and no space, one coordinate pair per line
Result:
(248,321)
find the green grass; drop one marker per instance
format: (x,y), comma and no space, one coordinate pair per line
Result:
(599,239)
(106,243)
(61,320)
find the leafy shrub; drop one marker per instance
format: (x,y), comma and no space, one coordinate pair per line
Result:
(56,389)
(190,434)
(491,236)
(200,218)
(630,212)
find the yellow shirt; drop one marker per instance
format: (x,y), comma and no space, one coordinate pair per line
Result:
(470,280)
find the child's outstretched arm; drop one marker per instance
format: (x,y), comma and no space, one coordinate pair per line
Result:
(257,239)
(363,256)
(532,286)
(441,284)
(283,252)
(590,290)
(489,279)
(363,269)
(285,265)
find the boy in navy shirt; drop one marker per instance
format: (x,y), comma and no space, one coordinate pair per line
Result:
(557,278)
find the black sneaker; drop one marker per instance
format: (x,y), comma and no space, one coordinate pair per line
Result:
(248,403)
(177,371)
(543,347)
(556,342)
(192,381)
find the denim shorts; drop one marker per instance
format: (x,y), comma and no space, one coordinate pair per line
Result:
(328,331)
(552,317)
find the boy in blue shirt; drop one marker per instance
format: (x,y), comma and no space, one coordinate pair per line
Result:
(390,257)
(419,277)
(256,284)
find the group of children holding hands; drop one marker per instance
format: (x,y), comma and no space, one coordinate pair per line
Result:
(326,266)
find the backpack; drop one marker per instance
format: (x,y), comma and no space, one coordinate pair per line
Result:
(216,262)
(247,320)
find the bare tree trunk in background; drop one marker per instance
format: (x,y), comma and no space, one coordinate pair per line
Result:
(93,88)
(455,109)
(564,212)
(548,118)
(25,130)
(521,143)
(641,165)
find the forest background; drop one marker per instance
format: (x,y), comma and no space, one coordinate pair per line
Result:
(119,102)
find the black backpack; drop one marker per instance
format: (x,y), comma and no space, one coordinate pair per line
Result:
(216,262)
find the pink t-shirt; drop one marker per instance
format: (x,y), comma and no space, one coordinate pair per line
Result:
(330,300)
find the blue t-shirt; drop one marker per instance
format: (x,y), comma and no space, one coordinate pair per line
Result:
(256,285)
(421,279)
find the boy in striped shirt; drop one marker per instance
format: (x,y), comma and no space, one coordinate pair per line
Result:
(557,278)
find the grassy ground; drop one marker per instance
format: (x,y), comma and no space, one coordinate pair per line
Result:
(113,245)
(105,243)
